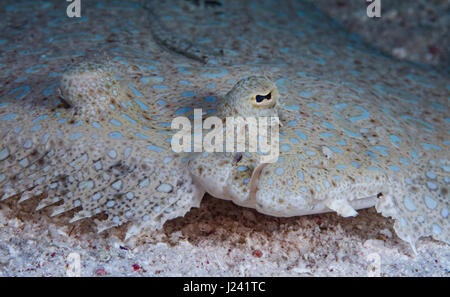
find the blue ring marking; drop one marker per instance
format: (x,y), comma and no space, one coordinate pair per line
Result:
(327,135)
(49,90)
(188,94)
(69,36)
(33,51)
(184,82)
(351,134)
(115,122)
(136,92)
(420,80)
(414,153)
(300,134)
(141,105)
(293,107)
(161,102)
(75,136)
(365,114)
(115,134)
(307,94)
(160,87)
(394,168)
(395,140)
(285,147)
(339,106)
(145,68)
(402,95)
(280,83)
(45,138)
(318,113)
(404,161)
(220,74)
(154,148)
(25,90)
(294,140)
(409,204)
(437,106)
(292,123)
(430,174)
(429,146)
(182,70)
(375,169)
(164,124)
(279,171)
(35,128)
(43,117)
(183,110)
(141,135)
(341,142)
(430,202)
(437,229)
(35,68)
(210,99)
(336,150)
(373,156)
(381,149)
(431,185)
(310,153)
(123,5)
(329,126)
(9,117)
(128,118)
(428,126)
(27,6)
(61,21)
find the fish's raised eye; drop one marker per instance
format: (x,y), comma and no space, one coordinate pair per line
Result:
(261,98)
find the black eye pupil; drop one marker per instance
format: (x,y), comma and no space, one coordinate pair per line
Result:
(260,98)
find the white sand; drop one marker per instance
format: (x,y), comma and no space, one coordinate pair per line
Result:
(218,239)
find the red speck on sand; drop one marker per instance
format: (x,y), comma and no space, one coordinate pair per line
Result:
(433,50)
(257,253)
(100,272)
(136,267)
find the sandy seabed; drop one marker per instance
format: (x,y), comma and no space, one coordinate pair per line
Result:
(217,239)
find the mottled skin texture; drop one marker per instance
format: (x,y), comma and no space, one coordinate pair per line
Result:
(354,123)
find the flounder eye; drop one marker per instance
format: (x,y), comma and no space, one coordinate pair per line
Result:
(261,98)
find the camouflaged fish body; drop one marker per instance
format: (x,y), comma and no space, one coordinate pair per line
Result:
(358,129)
